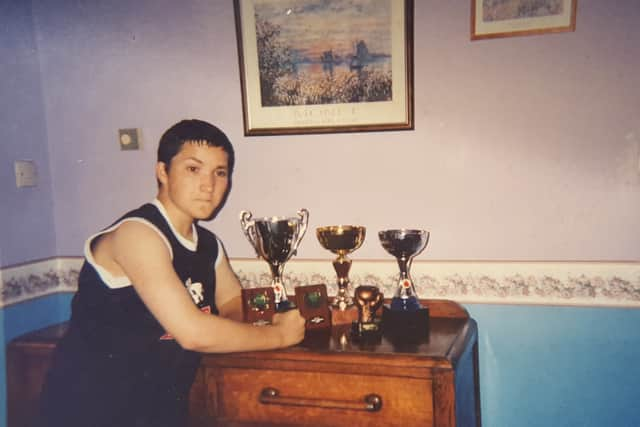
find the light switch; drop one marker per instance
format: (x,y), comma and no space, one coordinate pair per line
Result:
(26,173)
(129,139)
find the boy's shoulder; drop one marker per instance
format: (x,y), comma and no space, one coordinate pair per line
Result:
(146,211)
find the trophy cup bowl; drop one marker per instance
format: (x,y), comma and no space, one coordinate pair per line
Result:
(341,240)
(276,240)
(404,245)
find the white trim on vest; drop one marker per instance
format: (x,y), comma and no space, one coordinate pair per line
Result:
(115,282)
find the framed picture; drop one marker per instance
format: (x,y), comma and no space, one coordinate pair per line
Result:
(319,66)
(507,18)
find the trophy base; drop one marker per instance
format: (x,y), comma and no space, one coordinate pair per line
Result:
(285,305)
(370,332)
(317,339)
(344,317)
(403,324)
(257,305)
(313,304)
(405,304)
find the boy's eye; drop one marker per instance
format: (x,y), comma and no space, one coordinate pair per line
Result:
(221,173)
(192,168)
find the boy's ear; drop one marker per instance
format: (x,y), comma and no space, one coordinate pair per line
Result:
(161,173)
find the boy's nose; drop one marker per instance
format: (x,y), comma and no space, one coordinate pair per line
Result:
(207,185)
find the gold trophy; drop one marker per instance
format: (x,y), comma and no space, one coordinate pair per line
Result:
(275,240)
(341,240)
(368,300)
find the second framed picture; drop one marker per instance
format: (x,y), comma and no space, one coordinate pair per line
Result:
(508,18)
(318,66)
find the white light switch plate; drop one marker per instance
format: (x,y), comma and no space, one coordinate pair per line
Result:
(129,138)
(26,173)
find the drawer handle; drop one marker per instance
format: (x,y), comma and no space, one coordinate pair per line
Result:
(271,396)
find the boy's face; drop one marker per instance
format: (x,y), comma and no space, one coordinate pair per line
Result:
(196,181)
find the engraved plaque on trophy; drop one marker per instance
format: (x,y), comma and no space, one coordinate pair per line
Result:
(258,305)
(275,240)
(313,303)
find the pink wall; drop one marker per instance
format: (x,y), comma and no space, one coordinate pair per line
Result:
(27,228)
(525,148)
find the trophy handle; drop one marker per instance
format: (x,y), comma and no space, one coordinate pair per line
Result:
(249,229)
(304,221)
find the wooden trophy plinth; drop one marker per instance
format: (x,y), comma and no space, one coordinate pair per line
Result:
(313,304)
(258,305)
(406,325)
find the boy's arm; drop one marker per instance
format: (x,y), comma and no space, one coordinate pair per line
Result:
(228,290)
(144,257)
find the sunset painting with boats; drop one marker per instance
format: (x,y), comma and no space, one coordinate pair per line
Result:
(324,51)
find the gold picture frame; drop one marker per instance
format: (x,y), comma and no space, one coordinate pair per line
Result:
(325,66)
(509,18)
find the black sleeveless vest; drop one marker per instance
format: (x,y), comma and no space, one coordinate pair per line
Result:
(116,366)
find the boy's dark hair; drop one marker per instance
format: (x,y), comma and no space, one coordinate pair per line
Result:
(193,130)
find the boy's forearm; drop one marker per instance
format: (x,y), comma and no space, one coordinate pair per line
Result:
(223,335)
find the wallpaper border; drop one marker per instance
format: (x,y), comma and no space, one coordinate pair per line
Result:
(615,284)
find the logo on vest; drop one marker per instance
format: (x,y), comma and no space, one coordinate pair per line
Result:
(195,290)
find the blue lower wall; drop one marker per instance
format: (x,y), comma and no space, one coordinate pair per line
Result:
(558,366)
(539,365)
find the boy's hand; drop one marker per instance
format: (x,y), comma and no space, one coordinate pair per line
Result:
(290,325)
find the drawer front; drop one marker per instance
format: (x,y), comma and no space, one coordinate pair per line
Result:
(320,399)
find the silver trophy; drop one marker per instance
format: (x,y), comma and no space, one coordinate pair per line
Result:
(404,245)
(275,240)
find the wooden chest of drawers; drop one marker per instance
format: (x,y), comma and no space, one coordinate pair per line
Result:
(328,380)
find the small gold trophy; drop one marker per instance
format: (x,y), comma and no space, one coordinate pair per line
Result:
(368,300)
(341,240)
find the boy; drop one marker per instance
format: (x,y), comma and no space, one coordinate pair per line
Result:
(154,292)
